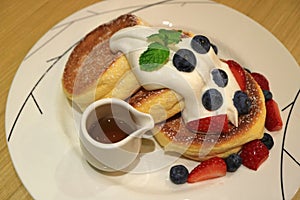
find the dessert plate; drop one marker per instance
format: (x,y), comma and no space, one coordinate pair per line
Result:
(41,125)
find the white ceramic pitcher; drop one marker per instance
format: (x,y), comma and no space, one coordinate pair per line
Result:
(119,155)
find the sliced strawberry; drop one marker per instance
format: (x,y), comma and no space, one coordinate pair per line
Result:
(253,154)
(261,80)
(212,168)
(273,119)
(214,124)
(238,73)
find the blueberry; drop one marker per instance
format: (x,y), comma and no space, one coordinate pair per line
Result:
(179,174)
(184,60)
(242,102)
(233,162)
(220,77)
(268,95)
(215,48)
(200,44)
(212,99)
(268,140)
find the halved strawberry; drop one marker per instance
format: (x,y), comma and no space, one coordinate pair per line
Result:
(273,119)
(214,124)
(212,168)
(238,73)
(261,80)
(253,154)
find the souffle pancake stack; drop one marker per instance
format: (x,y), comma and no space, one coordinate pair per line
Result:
(206,108)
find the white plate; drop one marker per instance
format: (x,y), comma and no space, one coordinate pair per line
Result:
(41,129)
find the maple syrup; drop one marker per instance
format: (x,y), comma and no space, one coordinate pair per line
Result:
(110,130)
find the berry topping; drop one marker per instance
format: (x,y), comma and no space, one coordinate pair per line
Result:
(238,73)
(200,44)
(220,77)
(268,140)
(253,154)
(261,80)
(273,119)
(215,48)
(233,162)
(213,124)
(179,174)
(242,102)
(212,168)
(184,60)
(212,99)
(268,95)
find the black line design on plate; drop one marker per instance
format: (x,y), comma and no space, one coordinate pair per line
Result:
(283,142)
(55,59)
(44,44)
(34,87)
(292,157)
(18,115)
(150,5)
(90,11)
(20,111)
(36,103)
(283,109)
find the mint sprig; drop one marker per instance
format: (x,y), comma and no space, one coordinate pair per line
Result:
(158,51)
(154,57)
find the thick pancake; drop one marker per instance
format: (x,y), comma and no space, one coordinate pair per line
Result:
(174,136)
(92,70)
(161,104)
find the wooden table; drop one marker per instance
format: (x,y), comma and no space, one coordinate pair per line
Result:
(24,22)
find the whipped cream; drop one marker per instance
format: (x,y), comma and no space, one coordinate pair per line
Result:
(132,41)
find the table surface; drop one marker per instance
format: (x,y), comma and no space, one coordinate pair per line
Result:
(24,22)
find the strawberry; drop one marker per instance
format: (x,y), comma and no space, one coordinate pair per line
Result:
(214,124)
(238,73)
(261,80)
(253,154)
(212,168)
(273,119)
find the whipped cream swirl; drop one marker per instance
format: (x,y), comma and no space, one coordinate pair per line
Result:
(132,41)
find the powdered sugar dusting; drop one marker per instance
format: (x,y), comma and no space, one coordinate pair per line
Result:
(94,64)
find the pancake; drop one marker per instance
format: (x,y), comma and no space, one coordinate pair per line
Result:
(93,72)
(175,137)
(162,104)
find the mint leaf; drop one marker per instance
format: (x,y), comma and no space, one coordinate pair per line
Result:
(165,37)
(156,38)
(170,36)
(158,51)
(154,57)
